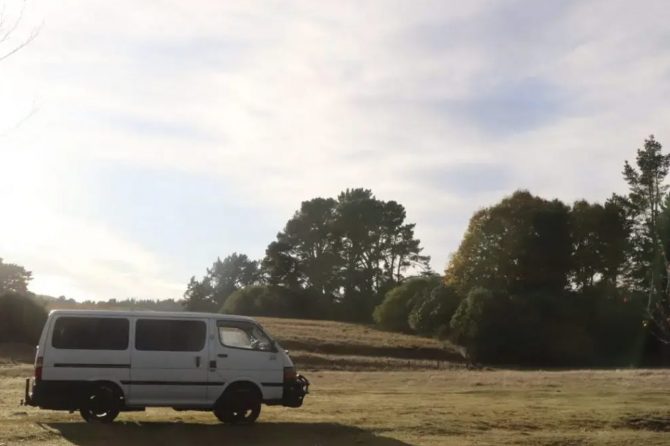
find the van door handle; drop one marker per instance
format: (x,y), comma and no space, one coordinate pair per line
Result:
(222,355)
(197,361)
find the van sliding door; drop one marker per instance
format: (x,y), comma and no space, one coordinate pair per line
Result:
(169,362)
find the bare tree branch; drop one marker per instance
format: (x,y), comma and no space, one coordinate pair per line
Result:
(5,34)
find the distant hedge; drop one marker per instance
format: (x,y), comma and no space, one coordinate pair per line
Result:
(21,318)
(545,329)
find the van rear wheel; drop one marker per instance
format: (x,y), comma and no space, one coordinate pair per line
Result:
(240,405)
(100,405)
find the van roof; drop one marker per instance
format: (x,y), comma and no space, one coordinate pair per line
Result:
(185,314)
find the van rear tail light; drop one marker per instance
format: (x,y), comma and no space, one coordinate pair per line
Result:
(289,374)
(38,368)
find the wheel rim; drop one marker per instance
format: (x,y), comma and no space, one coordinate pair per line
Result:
(243,414)
(98,405)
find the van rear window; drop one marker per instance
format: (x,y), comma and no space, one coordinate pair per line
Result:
(170,335)
(90,333)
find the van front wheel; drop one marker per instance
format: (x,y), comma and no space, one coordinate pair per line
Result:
(101,405)
(239,406)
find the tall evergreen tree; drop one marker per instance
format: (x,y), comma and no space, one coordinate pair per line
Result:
(649,258)
(352,249)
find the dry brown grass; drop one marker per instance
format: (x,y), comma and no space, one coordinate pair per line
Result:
(455,407)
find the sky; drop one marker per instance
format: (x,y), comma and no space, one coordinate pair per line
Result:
(141,140)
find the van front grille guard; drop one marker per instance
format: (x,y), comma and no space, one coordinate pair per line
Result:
(295,391)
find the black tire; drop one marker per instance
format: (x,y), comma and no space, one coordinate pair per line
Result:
(239,405)
(101,404)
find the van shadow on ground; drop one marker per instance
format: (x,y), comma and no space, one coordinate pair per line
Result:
(260,434)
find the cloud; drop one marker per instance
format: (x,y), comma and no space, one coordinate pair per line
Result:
(182,131)
(467,179)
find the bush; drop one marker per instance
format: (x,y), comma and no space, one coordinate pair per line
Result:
(393,312)
(478,324)
(616,327)
(548,328)
(538,328)
(431,316)
(21,318)
(270,300)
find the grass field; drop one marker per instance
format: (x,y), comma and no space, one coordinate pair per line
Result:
(385,407)
(447,407)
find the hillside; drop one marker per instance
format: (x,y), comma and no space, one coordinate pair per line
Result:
(342,345)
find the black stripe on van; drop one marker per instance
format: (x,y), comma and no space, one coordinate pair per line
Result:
(272,384)
(93,366)
(173,383)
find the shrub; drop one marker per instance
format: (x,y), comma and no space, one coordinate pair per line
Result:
(393,312)
(535,328)
(616,327)
(478,324)
(431,316)
(21,318)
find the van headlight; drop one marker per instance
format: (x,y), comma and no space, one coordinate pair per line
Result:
(290,374)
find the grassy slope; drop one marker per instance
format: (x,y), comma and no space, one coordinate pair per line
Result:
(341,345)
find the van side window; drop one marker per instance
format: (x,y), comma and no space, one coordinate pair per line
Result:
(170,335)
(90,333)
(243,335)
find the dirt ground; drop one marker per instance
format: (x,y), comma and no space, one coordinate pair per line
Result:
(441,407)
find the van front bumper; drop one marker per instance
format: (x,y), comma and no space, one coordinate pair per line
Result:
(295,391)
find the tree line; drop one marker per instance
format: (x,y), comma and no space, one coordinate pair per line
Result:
(533,281)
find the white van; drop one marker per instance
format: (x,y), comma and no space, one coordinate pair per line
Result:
(104,362)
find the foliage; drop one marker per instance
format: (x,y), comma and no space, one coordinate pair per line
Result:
(306,252)
(393,313)
(431,316)
(553,278)
(352,249)
(198,295)
(647,216)
(273,300)
(520,244)
(222,279)
(530,328)
(599,236)
(476,325)
(21,318)
(613,322)
(13,278)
